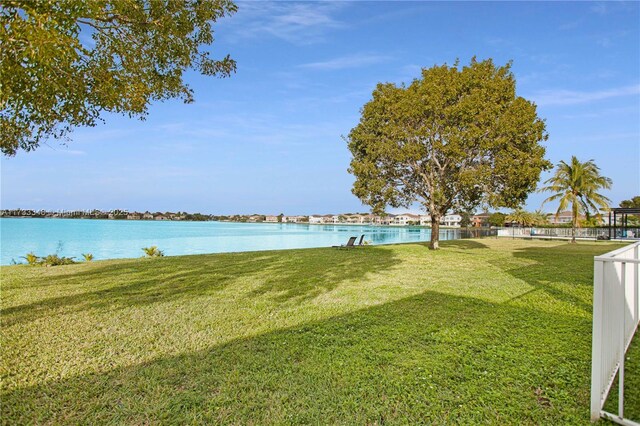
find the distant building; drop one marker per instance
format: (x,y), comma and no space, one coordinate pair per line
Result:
(383,220)
(405,219)
(294,219)
(330,218)
(147,216)
(562,218)
(451,220)
(355,218)
(134,216)
(480,220)
(271,219)
(315,218)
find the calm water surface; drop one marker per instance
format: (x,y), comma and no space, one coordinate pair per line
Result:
(109,239)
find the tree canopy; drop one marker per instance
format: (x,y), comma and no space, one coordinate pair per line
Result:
(576,184)
(65,62)
(496,219)
(452,139)
(633,203)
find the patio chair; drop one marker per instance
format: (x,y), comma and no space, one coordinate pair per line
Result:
(349,243)
(361,242)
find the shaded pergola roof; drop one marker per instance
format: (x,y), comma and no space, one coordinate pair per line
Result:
(623,210)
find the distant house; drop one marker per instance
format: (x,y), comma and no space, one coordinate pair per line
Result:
(355,218)
(134,216)
(271,219)
(425,220)
(329,218)
(161,217)
(480,220)
(315,218)
(451,220)
(562,218)
(147,216)
(369,218)
(405,219)
(293,219)
(255,218)
(384,219)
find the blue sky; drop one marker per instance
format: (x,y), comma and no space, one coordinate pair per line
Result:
(268,139)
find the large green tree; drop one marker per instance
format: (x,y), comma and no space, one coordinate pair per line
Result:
(576,184)
(496,219)
(452,139)
(65,62)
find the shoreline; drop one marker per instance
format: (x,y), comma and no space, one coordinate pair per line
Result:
(373,225)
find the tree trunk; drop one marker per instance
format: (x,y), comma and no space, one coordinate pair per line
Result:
(435,233)
(574,221)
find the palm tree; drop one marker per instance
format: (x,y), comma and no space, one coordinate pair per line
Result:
(519,216)
(152,251)
(577,184)
(539,218)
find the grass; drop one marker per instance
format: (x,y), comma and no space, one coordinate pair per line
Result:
(483,331)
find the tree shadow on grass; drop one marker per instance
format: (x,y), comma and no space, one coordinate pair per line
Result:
(557,270)
(464,244)
(291,276)
(431,358)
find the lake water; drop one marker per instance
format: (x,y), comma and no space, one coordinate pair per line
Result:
(109,239)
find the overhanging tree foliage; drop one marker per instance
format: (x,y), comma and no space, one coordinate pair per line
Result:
(65,62)
(451,140)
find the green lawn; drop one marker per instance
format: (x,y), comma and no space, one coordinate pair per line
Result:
(482,331)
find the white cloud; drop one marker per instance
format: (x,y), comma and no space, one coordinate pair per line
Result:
(572,97)
(599,8)
(297,23)
(352,61)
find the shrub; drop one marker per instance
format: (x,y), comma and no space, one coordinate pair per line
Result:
(55,260)
(152,251)
(88,257)
(31,258)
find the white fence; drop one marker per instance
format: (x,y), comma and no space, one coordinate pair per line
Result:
(564,233)
(616,300)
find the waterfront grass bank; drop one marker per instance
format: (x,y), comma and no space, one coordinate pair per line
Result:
(482,331)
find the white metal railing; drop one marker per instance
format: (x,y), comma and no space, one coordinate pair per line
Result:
(564,233)
(616,300)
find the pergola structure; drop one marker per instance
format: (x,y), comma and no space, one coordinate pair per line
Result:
(618,219)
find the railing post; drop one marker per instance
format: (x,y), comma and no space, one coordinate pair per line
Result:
(615,303)
(623,339)
(596,348)
(636,302)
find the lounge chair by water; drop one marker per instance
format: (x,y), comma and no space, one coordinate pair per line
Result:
(349,243)
(361,242)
